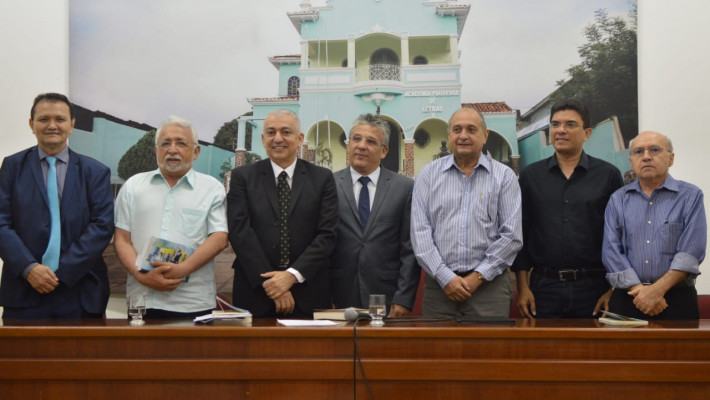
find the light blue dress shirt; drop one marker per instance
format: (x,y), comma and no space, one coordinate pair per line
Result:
(462,223)
(645,237)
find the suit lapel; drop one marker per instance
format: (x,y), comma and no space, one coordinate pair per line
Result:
(383,186)
(266,174)
(297,184)
(345,180)
(71,184)
(36,166)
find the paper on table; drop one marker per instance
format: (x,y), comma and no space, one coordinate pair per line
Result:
(306,322)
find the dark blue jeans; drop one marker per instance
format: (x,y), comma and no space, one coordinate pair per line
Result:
(566,299)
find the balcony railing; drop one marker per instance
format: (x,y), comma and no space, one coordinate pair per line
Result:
(379,72)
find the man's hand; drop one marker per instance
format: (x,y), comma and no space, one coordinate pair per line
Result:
(155,279)
(285,304)
(648,299)
(458,290)
(603,302)
(398,311)
(526,302)
(278,283)
(173,271)
(42,279)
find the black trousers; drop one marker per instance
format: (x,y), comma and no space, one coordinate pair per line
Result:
(682,304)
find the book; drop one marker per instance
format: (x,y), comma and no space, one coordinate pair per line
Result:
(336,314)
(611,318)
(231,315)
(162,250)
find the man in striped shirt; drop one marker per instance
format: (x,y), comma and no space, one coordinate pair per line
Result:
(466,225)
(654,237)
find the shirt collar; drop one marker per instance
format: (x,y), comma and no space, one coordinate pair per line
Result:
(583,161)
(483,162)
(669,184)
(189,177)
(374,175)
(289,170)
(62,156)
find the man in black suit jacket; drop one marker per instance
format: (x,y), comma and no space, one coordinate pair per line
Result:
(267,281)
(75,286)
(373,256)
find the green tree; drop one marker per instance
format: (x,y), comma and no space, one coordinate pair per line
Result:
(607,78)
(226,136)
(139,158)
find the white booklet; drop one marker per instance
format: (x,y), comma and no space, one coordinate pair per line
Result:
(611,318)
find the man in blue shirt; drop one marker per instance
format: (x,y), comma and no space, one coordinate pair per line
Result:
(654,237)
(466,225)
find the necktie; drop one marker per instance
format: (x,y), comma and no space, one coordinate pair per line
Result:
(51,255)
(363,204)
(284,192)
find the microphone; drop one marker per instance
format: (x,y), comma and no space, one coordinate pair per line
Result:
(352,315)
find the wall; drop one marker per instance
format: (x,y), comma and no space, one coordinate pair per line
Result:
(673,81)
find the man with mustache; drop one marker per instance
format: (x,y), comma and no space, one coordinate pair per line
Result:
(654,237)
(564,197)
(56,219)
(178,204)
(466,225)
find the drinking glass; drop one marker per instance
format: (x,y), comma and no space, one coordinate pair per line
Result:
(136,309)
(377,309)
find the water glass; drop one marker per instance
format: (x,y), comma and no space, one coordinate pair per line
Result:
(377,309)
(136,309)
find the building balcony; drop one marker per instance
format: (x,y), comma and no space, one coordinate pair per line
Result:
(379,72)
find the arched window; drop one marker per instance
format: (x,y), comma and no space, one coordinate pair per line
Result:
(420,60)
(384,65)
(421,138)
(294,83)
(384,56)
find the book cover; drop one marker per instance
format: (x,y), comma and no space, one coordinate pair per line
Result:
(611,318)
(337,314)
(162,250)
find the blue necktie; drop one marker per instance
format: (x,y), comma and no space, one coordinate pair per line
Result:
(363,204)
(51,255)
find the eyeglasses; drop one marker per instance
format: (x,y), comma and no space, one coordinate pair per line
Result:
(652,150)
(370,142)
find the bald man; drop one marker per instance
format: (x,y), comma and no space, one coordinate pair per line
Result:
(654,237)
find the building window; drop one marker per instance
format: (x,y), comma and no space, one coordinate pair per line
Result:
(384,65)
(422,138)
(294,83)
(420,60)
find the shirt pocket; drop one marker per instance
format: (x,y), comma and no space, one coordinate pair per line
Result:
(486,207)
(670,234)
(192,221)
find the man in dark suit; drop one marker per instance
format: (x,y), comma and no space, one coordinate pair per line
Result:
(282,214)
(373,253)
(39,279)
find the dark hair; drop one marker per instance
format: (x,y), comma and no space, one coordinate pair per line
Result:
(571,104)
(52,98)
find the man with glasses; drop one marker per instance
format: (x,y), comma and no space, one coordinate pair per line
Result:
(178,204)
(373,252)
(654,237)
(559,270)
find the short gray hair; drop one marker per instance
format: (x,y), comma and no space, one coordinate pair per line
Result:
(175,120)
(282,112)
(373,121)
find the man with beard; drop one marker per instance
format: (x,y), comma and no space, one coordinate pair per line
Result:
(181,205)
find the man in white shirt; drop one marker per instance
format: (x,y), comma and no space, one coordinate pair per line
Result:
(178,204)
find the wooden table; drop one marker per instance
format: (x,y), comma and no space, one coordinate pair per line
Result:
(541,359)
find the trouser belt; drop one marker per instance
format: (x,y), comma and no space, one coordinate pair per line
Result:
(569,273)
